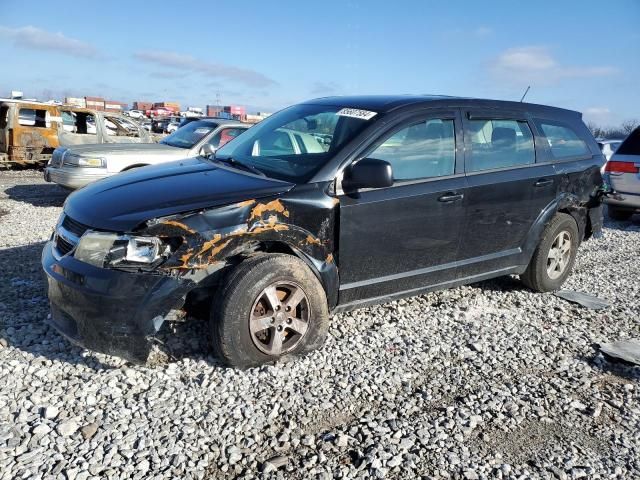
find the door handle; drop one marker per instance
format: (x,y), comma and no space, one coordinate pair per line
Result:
(543,182)
(450,197)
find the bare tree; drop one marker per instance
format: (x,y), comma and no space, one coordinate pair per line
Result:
(596,130)
(629,126)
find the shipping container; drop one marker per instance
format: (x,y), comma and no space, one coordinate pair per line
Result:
(144,106)
(95,103)
(213,110)
(174,106)
(113,106)
(235,110)
(76,101)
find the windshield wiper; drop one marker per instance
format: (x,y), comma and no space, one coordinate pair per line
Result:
(237,163)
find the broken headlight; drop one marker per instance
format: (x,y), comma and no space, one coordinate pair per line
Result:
(112,250)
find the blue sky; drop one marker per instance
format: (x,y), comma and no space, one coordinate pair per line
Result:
(583,55)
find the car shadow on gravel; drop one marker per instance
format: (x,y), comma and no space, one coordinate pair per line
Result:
(501,284)
(631,225)
(39,195)
(615,370)
(24,308)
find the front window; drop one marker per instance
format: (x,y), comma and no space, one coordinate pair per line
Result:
(293,144)
(190,134)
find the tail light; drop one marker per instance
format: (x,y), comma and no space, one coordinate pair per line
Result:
(621,167)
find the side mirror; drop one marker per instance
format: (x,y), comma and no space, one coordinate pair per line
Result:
(368,173)
(207,150)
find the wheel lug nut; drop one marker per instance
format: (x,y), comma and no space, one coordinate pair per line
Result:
(288,308)
(279,328)
(273,319)
(289,320)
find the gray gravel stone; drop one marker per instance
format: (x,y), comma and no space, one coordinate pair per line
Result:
(488,379)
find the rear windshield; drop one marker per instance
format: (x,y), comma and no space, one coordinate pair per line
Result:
(190,134)
(631,146)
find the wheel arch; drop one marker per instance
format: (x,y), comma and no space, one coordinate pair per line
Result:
(566,203)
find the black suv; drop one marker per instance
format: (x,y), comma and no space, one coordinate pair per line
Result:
(325,206)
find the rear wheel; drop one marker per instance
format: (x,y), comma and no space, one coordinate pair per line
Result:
(619,213)
(553,260)
(269,307)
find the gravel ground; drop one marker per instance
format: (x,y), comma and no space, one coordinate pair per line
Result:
(482,381)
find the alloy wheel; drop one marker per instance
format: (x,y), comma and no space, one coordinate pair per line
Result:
(279,318)
(559,255)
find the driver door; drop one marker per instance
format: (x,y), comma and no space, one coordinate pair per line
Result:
(406,237)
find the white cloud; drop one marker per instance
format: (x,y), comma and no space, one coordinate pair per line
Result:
(598,115)
(182,62)
(536,65)
(37,39)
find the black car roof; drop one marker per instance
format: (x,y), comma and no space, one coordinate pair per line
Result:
(387,103)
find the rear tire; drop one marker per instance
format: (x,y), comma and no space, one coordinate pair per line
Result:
(270,306)
(619,213)
(555,255)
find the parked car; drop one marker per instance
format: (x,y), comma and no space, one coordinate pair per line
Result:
(622,174)
(608,146)
(411,194)
(139,114)
(76,167)
(159,125)
(30,131)
(159,112)
(173,125)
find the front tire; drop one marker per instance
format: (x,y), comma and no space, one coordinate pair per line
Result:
(619,213)
(269,307)
(555,255)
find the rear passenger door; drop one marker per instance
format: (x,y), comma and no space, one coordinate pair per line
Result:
(507,188)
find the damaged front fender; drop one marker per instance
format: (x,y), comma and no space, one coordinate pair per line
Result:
(217,238)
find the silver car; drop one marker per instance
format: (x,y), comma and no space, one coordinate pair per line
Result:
(74,167)
(622,173)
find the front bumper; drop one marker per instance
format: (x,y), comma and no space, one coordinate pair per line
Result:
(109,311)
(74,177)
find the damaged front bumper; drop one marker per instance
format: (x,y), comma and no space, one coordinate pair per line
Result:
(109,311)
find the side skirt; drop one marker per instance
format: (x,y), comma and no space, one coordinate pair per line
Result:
(518,269)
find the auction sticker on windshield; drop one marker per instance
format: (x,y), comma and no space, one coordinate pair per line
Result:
(356,113)
(201,131)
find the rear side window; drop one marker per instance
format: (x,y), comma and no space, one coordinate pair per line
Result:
(4,116)
(33,118)
(564,142)
(631,146)
(499,144)
(421,150)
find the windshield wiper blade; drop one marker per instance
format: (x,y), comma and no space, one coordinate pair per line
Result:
(237,163)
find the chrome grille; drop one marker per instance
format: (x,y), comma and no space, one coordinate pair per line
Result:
(74,227)
(68,235)
(63,246)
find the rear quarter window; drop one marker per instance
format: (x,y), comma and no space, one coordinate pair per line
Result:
(631,145)
(563,140)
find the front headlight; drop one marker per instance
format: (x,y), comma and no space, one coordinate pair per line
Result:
(74,160)
(112,250)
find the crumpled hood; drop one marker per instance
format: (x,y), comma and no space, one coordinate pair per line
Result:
(128,149)
(122,202)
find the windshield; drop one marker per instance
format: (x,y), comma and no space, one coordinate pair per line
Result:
(293,144)
(190,134)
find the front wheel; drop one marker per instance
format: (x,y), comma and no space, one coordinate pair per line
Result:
(553,260)
(270,306)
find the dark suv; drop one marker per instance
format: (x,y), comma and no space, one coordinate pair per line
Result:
(326,206)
